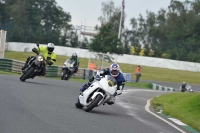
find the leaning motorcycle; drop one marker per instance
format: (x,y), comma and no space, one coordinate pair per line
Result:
(98,93)
(67,69)
(188,88)
(33,67)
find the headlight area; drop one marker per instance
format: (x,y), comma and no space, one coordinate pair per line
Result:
(40,58)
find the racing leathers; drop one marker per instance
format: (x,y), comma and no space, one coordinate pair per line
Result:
(76,64)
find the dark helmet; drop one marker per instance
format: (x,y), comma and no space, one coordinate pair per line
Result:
(114,70)
(50,47)
(74,56)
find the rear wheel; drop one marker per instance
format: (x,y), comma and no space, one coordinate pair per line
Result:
(94,103)
(27,74)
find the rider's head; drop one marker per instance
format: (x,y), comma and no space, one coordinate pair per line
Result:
(184,82)
(114,70)
(50,47)
(74,56)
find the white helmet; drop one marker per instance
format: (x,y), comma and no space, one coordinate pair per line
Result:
(50,47)
(114,70)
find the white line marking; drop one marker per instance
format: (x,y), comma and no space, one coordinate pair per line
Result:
(177,121)
(147,109)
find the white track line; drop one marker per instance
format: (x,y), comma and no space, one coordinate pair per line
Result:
(147,109)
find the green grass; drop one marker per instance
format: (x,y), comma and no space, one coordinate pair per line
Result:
(183,106)
(131,84)
(148,73)
(8,73)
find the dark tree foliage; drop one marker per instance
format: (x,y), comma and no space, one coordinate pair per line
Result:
(106,41)
(34,21)
(174,32)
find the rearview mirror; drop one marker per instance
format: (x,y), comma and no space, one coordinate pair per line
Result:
(37,45)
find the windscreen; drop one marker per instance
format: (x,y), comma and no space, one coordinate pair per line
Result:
(111,81)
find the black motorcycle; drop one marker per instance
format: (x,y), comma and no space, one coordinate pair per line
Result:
(33,67)
(67,69)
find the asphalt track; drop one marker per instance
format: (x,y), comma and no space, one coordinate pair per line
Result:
(43,105)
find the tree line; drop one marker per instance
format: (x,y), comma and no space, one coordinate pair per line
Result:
(172,33)
(35,21)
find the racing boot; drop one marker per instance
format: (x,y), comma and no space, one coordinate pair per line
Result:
(111,101)
(82,89)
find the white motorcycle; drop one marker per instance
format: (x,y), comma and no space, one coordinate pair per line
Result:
(67,69)
(188,88)
(101,91)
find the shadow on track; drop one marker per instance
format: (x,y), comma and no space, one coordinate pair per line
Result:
(98,112)
(36,83)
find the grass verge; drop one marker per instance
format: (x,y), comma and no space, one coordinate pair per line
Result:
(148,73)
(182,106)
(8,73)
(131,84)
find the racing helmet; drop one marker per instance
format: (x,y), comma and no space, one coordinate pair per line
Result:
(50,47)
(114,70)
(74,56)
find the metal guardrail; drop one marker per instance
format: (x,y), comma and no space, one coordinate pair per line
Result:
(52,71)
(15,66)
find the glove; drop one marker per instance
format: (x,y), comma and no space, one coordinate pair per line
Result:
(49,62)
(98,77)
(115,94)
(35,51)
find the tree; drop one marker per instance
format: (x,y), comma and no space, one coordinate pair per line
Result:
(40,21)
(126,37)
(85,43)
(110,13)
(74,39)
(108,10)
(106,41)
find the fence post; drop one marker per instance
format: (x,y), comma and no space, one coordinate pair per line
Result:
(2,42)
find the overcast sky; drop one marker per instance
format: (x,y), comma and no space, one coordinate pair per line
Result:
(86,12)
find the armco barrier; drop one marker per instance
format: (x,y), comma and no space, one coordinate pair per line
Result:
(161,88)
(6,64)
(52,71)
(16,66)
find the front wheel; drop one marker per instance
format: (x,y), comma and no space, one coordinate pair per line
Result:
(94,103)
(78,104)
(27,74)
(63,75)
(68,75)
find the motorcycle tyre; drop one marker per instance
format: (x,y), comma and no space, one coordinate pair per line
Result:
(78,105)
(63,76)
(94,103)
(68,75)
(27,74)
